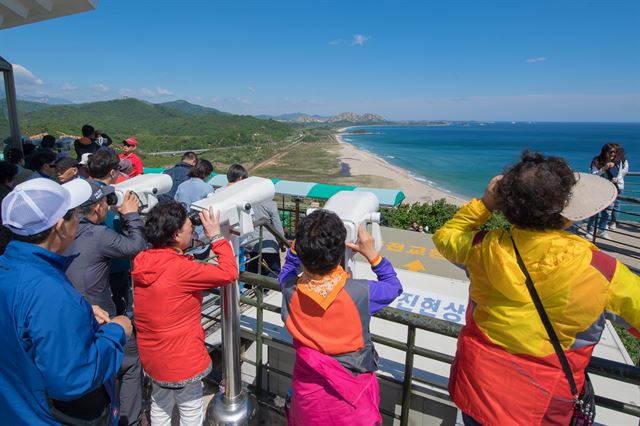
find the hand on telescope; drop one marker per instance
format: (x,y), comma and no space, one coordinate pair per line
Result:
(130,203)
(210,222)
(366,245)
(101,315)
(490,197)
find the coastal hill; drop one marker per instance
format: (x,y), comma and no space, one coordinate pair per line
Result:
(173,125)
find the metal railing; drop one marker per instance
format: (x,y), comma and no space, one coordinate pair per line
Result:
(599,366)
(623,240)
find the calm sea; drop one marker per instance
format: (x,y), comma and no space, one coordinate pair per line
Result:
(461,159)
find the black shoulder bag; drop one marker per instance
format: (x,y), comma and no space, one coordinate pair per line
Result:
(584,406)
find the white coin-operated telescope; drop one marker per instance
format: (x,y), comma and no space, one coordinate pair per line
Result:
(234,203)
(146,187)
(235,406)
(355,208)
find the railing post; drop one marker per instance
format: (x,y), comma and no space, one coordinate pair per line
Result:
(297,201)
(408,373)
(260,239)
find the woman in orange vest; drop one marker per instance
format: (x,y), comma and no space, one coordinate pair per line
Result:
(506,370)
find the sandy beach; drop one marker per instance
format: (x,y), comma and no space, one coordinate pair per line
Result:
(363,163)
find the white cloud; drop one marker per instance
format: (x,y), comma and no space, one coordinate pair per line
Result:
(536,59)
(157,92)
(359,40)
(251,88)
(100,88)
(335,42)
(24,76)
(145,92)
(68,87)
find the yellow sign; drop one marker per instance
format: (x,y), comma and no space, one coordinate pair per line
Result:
(415,266)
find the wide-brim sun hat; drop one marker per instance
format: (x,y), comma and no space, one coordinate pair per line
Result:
(590,195)
(38,204)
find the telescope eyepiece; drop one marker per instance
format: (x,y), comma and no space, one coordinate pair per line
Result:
(247,207)
(154,191)
(112,199)
(194,217)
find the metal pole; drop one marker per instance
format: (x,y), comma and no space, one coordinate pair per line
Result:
(259,327)
(235,406)
(12,103)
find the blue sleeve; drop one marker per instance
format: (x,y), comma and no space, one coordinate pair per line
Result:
(386,289)
(72,352)
(292,267)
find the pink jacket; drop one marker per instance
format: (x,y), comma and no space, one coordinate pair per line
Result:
(324,392)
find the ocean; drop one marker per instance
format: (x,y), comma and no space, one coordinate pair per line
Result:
(461,159)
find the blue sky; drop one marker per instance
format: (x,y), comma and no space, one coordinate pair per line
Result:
(499,60)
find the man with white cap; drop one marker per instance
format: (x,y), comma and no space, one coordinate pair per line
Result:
(57,362)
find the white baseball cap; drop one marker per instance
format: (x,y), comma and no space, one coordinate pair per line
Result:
(38,204)
(590,195)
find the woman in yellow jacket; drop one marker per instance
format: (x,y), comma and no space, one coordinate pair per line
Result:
(506,371)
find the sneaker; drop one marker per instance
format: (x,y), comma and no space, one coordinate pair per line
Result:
(604,234)
(611,226)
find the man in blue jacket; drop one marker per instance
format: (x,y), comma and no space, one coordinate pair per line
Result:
(180,173)
(57,362)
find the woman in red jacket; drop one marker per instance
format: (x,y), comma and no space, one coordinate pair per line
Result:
(168,296)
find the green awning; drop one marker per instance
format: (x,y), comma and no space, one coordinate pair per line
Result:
(320,191)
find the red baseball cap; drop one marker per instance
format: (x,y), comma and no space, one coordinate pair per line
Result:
(131,142)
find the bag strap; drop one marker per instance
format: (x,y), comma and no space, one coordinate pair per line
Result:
(547,324)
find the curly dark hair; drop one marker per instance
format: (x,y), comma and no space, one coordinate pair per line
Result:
(163,223)
(534,191)
(320,241)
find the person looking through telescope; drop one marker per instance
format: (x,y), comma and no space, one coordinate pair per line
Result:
(328,313)
(270,247)
(168,299)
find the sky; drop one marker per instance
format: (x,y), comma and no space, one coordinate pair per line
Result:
(406,60)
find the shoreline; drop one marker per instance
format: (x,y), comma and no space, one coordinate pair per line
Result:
(359,163)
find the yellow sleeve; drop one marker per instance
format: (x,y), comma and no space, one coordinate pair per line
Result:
(624,297)
(455,239)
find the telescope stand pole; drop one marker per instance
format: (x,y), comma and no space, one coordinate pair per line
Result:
(236,406)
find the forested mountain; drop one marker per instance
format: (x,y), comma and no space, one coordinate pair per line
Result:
(192,109)
(159,126)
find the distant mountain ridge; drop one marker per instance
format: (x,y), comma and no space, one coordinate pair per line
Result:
(49,100)
(345,117)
